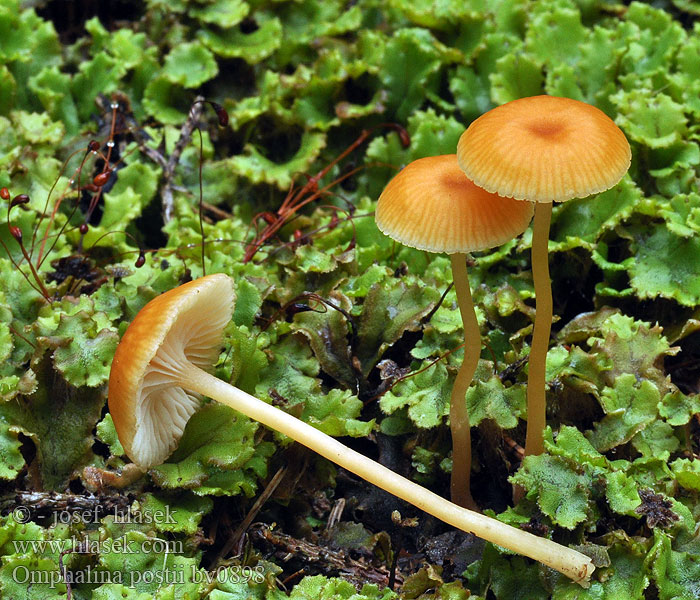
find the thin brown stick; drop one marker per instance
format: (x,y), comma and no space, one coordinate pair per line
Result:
(237,536)
(64,572)
(166,191)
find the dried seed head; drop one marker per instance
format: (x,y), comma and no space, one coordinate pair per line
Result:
(16,233)
(220,113)
(101,178)
(19,199)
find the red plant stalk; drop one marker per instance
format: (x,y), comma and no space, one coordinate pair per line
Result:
(300,197)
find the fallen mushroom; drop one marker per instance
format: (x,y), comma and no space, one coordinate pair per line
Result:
(431,205)
(543,149)
(159,368)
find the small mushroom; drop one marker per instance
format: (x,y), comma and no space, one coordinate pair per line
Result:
(543,149)
(159,368)
(431,205)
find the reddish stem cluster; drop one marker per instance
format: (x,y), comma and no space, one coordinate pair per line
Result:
(295,199)
(298,197)
(95,187)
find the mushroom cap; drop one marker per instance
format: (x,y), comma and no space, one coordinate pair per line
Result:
(544,149)
(174,331)
(431,205)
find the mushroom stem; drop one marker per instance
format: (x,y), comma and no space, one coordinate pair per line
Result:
(536,404)
(569,562)
(460,487)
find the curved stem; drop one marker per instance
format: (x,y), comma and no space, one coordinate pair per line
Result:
(536,404)
(571,563)
(460,488)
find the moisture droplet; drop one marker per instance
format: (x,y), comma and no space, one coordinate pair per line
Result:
(72,181)
(110,144)
(114,105)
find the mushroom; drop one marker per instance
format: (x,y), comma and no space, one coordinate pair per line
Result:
(431,205)
(159,368)
(543,149)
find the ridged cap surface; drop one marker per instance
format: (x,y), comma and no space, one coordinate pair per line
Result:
(431,205)
(147,404)
(544,149)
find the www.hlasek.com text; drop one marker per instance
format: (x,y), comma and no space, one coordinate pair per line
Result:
(85,545)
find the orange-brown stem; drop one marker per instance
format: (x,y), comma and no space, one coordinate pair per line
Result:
(536,405)
(460,488)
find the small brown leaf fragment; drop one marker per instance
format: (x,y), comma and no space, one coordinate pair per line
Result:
(536,526)
(388,369)
(356,364)
(657,509)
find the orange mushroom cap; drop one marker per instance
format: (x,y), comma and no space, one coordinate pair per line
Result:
(184,325)
(544,149)
(431,205)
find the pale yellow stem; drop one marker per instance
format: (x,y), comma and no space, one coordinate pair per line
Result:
(460,487)
(536,404)
(571,563)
